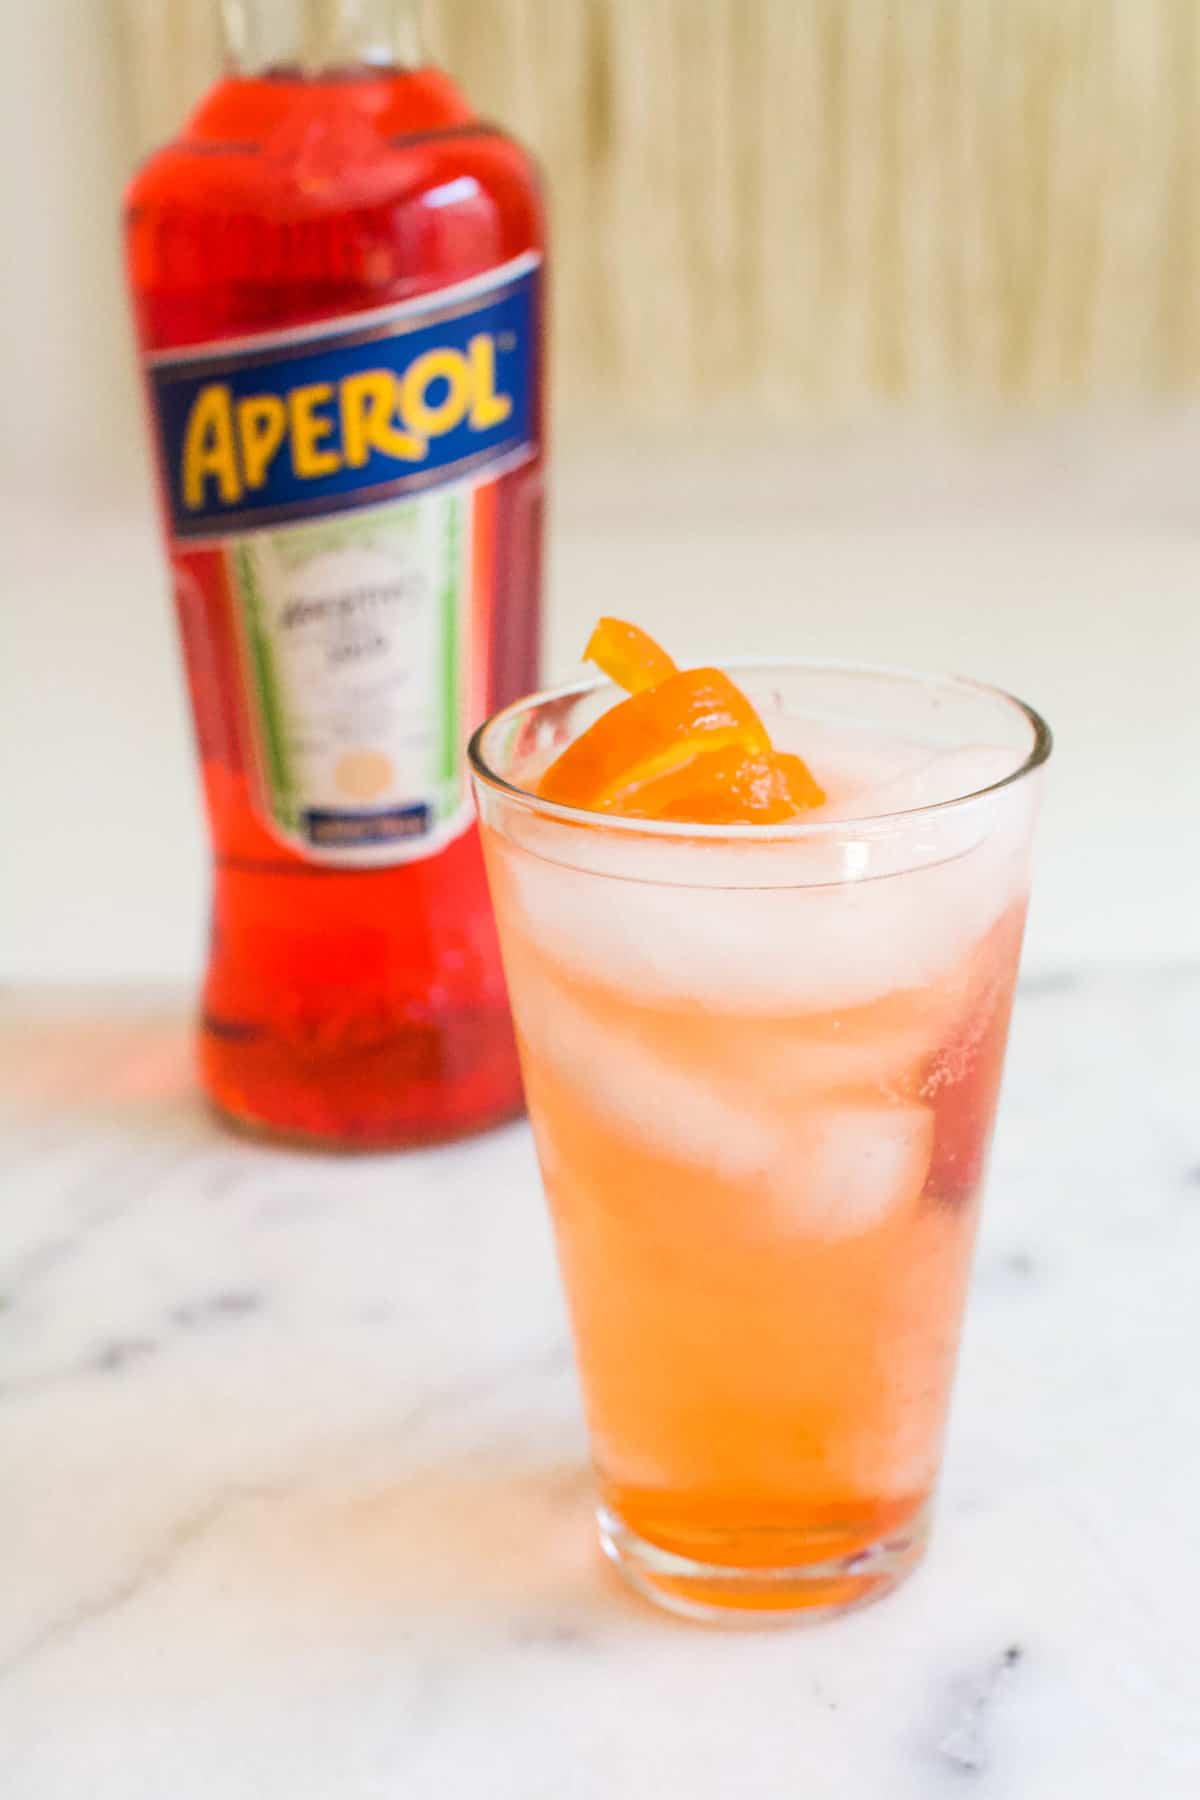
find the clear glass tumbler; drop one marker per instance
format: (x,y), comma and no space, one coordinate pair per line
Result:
(762,1065)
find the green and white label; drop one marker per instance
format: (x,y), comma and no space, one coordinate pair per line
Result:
(355,640)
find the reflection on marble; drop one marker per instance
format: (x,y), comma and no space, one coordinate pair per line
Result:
(292,1494)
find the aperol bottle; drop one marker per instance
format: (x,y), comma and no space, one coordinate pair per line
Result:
(336,272)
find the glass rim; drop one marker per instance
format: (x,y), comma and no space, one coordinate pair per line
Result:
(791,830)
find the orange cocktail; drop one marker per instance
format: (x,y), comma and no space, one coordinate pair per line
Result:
(761,963)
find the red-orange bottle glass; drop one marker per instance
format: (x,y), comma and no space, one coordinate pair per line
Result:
(336,273)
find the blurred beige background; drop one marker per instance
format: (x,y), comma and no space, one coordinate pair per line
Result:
(821,205)
(877,335)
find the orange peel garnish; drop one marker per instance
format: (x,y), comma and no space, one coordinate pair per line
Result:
(628,655)
(687,745)
(730,788)
(650,735)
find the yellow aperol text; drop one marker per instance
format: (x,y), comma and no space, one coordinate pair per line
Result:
(231,444)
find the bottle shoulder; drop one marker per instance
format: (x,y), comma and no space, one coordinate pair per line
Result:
(325,155)
(331,210)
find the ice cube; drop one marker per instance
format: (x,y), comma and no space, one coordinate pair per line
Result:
(941,776)
(769,927)
(850,761)
(885,1047)
(670,1108)
(847,1167)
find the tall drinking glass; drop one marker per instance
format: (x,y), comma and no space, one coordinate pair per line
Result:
(762,1065)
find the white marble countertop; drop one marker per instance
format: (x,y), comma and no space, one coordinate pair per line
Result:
(292,1499)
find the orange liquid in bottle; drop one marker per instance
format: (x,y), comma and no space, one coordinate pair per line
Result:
(346,1004)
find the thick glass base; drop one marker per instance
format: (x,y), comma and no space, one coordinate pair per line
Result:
(798,1590)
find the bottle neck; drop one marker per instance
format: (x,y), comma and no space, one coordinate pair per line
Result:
(317,37)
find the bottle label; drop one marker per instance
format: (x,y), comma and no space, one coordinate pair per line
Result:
(343,473)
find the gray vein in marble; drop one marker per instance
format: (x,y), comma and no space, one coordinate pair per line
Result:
(115,1355)
(965,1742)
(1008,1272)
(119,1353)
(1049,981)
(549,1633)
(181,1538)
(133,1583)
(216,1309)
(58,1248)
(44,1258)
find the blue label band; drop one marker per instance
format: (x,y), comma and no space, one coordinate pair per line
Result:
(318,421)
(340,829)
